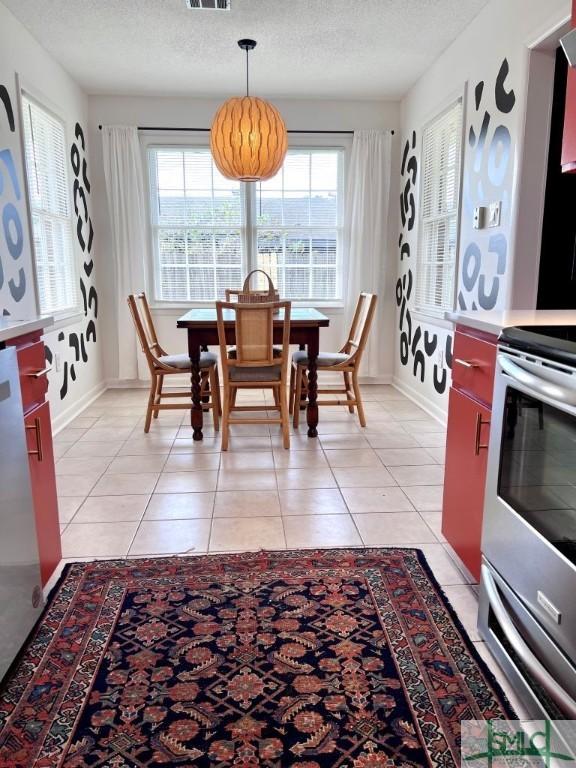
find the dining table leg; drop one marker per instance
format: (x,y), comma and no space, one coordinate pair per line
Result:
(312,407)
(196,413)
(303,391)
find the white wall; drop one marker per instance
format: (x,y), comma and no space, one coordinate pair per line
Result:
(21,55)
(491,268)
(198,113)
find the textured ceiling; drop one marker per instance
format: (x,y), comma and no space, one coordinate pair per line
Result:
(359,49)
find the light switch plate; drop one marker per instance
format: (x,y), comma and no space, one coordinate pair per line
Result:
(494,210)
(479,217)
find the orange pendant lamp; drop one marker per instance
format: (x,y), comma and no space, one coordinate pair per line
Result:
(248,137)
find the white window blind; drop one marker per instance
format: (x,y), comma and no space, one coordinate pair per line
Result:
(197,219)
(439,195)
(46,158)
(298,225)
(209,231)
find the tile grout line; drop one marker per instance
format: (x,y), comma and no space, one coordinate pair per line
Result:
(151,493)
(341,494)
(214,503)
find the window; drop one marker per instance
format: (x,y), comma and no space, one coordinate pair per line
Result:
(197,219)
(208,231)
(45,152)
(439,196)
(298,225)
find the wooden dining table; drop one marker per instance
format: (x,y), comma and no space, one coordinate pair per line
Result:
(202,329)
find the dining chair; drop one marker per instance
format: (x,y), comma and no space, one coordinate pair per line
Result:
(255,364)
(161,364)
(346,361)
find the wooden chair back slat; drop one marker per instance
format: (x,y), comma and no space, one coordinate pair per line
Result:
(149,328)
(145,330)
(140,330)
(361,323)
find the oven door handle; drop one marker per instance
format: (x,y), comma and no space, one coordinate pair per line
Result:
(539,385)
(537,670)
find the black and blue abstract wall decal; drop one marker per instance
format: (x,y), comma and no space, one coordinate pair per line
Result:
(76,342)
(417,346)
(13,280)
(487,179)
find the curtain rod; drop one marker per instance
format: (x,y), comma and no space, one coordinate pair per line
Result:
(207,130)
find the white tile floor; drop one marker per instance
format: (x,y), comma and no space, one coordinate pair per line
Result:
(123,493)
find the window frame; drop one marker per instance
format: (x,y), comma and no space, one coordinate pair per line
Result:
(425,312)
(71,314)
(151,141)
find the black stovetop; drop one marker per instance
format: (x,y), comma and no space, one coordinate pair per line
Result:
(552,342)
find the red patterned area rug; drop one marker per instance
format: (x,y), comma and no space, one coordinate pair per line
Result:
(308,659)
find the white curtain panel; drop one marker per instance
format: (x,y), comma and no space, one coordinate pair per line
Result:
(367,200)
(127,209)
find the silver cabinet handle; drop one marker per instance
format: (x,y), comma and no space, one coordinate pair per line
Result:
(465,363)
(37,374)
(538,671)
(541,385)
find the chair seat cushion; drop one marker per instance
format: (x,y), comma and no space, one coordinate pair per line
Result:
(207,359)
(323,360)
(256,373)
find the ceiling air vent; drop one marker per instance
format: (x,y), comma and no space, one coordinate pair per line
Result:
(208,5)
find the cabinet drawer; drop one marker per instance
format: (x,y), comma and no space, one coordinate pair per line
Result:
(473,366)
(31,362)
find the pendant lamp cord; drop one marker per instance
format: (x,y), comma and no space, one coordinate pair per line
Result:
(247,82)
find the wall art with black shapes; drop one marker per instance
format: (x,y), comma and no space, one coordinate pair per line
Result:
(75,346)
(488,178)
(16,287)
(419,346)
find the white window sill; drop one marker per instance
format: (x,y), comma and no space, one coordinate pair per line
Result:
(173,309)
(64,320)
(431,319)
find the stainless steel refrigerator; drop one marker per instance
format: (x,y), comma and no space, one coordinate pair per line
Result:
(20,590)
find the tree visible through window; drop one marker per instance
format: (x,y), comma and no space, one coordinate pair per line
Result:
(208,231)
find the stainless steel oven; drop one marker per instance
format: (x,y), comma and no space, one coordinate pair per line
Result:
(528,583)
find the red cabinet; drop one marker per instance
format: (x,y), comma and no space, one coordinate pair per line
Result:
(468,426)
(466,444)
(34,385)
(43,479)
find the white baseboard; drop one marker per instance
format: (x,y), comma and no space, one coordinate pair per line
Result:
(423,402)
(368,380)
(184,381)
(70,413)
